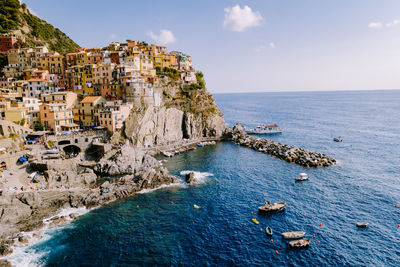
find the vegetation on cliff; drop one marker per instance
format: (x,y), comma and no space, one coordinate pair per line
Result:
(16,18)
(192,98)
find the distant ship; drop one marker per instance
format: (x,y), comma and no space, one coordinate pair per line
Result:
(265,129)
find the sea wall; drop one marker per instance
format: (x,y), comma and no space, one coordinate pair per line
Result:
(281,151)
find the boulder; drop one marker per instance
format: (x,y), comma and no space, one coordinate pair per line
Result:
(190,178)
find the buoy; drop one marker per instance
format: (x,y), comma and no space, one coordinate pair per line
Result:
(318,242)
(398,225)
(320,224)
(255,221)
(304,214)
(251,212)
(260,230)
(395,206)
(292,207)
(276,252)
(272,240)
(313,235)
(192,222)
(196,207)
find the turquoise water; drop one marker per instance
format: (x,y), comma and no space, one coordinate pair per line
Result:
(162,227)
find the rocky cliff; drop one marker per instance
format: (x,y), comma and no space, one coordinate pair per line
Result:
(72,185)
(184,113)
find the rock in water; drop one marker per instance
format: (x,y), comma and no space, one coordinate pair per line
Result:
(5,263)
(190,179)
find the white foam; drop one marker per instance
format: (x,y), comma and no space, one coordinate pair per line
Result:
(145,191)
(25,254)
(201,177)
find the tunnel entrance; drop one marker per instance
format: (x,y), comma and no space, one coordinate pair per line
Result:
(64,142)
(71,151)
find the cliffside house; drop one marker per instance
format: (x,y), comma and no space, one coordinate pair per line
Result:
(89,110)
(57,117)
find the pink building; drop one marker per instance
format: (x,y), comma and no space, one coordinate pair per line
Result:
(114,115)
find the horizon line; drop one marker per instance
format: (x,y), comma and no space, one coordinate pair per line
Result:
(306,91)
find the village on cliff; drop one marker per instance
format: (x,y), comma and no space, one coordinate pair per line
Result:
(91,87)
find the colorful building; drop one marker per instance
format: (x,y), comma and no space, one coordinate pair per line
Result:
(11,41)
(89,110)
(57,117)
(113,115)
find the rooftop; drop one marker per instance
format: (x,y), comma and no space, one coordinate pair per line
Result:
(90,99)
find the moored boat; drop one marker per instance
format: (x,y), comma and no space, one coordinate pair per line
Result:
(338,139)
(293,235)
(255,221)
(301,243)
(362,224)
(271,208)
(302,176)
(265,129)
(268,230)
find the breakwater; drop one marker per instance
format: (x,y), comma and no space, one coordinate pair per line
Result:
(285,152)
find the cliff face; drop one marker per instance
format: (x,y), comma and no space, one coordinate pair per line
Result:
(183,114)
(16,18)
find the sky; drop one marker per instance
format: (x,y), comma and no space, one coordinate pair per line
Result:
(255,45)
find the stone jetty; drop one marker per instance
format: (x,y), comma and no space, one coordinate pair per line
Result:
(285,152)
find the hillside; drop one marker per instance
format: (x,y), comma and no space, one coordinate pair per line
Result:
(16,18)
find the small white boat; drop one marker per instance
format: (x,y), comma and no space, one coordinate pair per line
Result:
(338,139)
(302,177)
(362,224)
(302,243)
(293,235)
(265,129)
(168,154)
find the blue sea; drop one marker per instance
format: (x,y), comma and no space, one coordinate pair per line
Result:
(162,228)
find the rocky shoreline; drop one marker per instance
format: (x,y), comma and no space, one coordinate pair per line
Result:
(132,169)
(285,152)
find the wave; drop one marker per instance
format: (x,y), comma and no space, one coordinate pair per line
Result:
(145,191)
(201,177)
(26,254)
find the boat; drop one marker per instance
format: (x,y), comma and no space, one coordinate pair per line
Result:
(196,207)
(293,235)
(302,176)
(167,154)
(265,129)
(268,230)
(338,139)
(271,208)
(302,243)
(255,221)
(362,224)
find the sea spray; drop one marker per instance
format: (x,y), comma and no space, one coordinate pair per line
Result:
(27,254)
(200,177)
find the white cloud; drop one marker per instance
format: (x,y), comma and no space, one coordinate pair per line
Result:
(263,47)
(393,23)
(380,25)
(240,19)
(272,45)
(165,37)
(375,25)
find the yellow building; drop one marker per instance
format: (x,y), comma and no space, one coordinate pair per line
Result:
(55,63)
(81,79)
(17,113)
(88,114)
(165,60)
